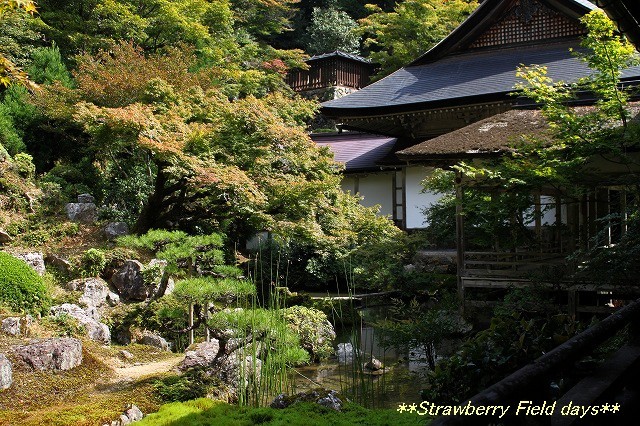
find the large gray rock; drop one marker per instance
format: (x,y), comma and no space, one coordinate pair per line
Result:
(82,212)
(202,356)
(116,229)
(155,340)
(17,326)
(33,259)
(95,291)
(129,282)
(238,370)
(62,353)
(326,398)
(86,199)
(95,330)
(60,263)
(4,237)
(6,372)
(137,282)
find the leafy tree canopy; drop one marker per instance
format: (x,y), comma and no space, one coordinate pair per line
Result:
(209,163)
(396,38)
(331,30)
(8,70)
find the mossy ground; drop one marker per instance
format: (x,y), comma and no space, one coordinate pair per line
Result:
(205,412)
(86,395)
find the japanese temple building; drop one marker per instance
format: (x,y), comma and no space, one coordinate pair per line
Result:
(457,102)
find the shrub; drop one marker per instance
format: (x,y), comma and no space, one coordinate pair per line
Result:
(314,331)
(193,384)
(24,165)
(21,288)
(92,263)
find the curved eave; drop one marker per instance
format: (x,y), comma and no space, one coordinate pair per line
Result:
(626,15)
(382,111)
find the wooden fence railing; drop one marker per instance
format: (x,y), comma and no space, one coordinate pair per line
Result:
(524,385)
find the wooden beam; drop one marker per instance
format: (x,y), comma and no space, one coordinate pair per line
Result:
(460,237)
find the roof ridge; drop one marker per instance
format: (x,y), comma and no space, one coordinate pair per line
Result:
(484,16)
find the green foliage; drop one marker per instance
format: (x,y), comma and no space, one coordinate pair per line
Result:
(194,383)
(23,164)
(495,219)
(202,290)
(15,115)
(92,262)
(9,136)
(64,325)
(413,27)
(184,253)
(8,71)
(616,264)
(21,288)
(310,325)
(415,325)
(206,411)
(47,67)
(511,341)
(275,334)
(343,248)
(20,34)
(332,30)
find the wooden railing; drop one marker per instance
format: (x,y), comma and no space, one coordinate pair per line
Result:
(507,264)
(525,384)
(329,73)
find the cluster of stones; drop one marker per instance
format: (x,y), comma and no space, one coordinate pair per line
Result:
(86,211)
(324,397)
(128,281)
(130,415)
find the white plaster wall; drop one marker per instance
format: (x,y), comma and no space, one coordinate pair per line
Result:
(377,189)
(548,216)
(416,200)
(348,184)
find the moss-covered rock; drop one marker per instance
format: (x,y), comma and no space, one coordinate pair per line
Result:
(314,330)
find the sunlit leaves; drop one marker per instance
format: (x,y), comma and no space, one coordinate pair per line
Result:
(398,37)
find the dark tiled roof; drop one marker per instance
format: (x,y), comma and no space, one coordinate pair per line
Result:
(455,77)
(358,151)
(341,54)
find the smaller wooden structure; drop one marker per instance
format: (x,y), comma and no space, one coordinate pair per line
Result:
(332,70)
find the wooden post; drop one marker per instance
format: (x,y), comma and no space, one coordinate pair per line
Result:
(623,212)
(191,331)
(460,238)
(558,201)
(206,322)
(572,302)
(538,218)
